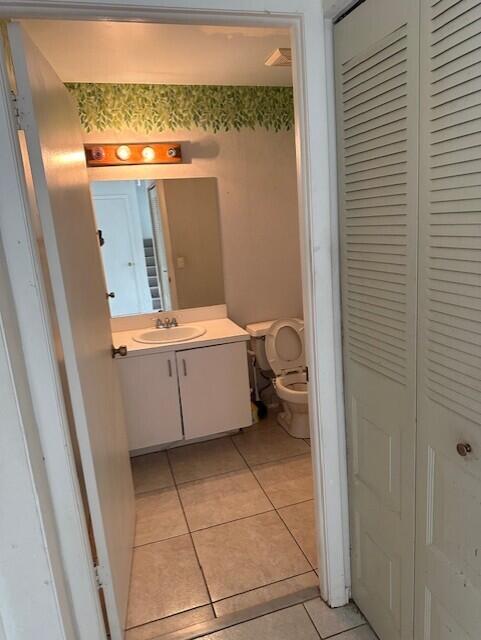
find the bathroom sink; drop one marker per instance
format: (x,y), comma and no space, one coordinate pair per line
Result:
(172,334)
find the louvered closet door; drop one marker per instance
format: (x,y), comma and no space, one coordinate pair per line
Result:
(377,65)
(448,551)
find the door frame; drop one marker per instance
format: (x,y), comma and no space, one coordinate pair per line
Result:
(319,255)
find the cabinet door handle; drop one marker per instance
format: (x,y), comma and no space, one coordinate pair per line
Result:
(184,364)
(119,351)
(169,367)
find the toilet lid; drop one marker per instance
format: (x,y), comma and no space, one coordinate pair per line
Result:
(285,346)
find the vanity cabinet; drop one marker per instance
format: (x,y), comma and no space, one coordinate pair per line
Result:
(151,399)
(214,389)
(185,394)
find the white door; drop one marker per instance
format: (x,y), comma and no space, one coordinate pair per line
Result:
(376,52)
(55,150)
(151,399)
(118,216)
(448,550)
(214,389)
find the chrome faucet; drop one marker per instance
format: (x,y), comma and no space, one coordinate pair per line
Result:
(166,323)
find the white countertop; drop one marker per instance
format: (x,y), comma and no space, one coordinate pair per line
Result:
(219,331)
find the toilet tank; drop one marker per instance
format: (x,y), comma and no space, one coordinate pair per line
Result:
(257,332)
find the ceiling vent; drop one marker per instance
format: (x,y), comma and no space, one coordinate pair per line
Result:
(279,58)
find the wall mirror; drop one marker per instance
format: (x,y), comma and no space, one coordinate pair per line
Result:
(162,243)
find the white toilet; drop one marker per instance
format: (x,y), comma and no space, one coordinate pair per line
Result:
(286,356)
(279,346)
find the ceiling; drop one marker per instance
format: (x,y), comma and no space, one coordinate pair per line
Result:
(159,54)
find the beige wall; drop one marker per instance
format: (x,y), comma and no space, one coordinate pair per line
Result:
(256,176)
(195,237)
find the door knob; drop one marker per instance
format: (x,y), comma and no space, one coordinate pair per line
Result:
(110,294)
(463,448)
(119,351)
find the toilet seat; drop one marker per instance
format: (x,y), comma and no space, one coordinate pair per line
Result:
(284,355)
(292,387)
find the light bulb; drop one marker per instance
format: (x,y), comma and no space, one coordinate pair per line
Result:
(123,152)
(148,154)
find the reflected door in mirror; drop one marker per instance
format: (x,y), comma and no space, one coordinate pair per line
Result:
(163,247)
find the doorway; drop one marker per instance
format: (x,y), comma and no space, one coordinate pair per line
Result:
(316,444)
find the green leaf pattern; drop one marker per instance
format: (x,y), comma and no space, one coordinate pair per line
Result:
(158,107)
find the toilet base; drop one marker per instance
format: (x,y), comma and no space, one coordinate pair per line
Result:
(296,423)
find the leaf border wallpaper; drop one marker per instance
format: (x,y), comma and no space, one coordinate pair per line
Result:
(157,107)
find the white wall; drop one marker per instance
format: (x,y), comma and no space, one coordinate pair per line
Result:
(27,562)
(256,175)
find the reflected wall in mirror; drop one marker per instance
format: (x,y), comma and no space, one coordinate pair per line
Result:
(162,248)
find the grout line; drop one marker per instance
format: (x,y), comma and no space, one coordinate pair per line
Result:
(255,477)
(191,537)
(262,586)
(220,524)
(252,515)
(150,492)
(293,504)
(238,618)
(180,482)
(279,516)
(275,460)
(312,621)
(172,615)
(146,544)
(214,613)
(340,633)
(337,634)
(167,448)
(214,475)
(295,539)
(295,455)
(211,475)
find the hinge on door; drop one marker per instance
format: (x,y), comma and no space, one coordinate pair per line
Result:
(98,577)
(16,111)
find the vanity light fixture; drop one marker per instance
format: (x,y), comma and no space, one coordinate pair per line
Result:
(108,155)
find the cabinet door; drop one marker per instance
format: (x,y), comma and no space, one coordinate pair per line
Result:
(214,389)
(151,399)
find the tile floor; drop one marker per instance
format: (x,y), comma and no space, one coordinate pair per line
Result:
(225,525)
(309,621)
